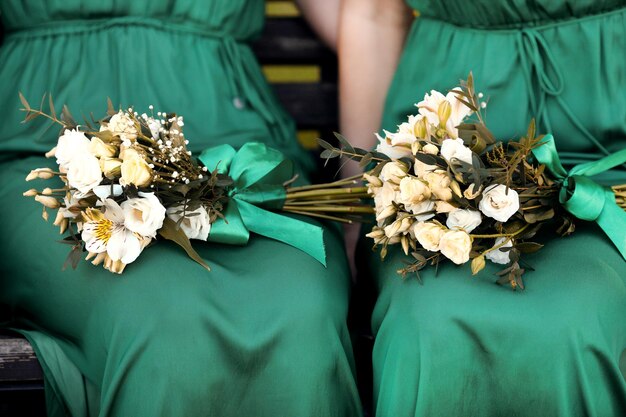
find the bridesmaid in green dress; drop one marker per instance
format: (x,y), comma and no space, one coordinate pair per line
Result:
(460,345)
(263,333)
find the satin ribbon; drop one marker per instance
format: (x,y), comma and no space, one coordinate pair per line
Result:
(258,173)
(584,198)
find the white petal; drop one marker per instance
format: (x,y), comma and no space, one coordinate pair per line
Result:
(104,191)
(113,211)
(124,246)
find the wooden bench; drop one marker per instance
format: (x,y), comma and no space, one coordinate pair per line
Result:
(303,73)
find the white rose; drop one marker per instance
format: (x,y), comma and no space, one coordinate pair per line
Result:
(84,173)
(454,148)
(497,204)
(122,125)
(135,169)
(465,219)
(194,227)
(398,227)
(428,235)
(439,184)
(413,191)
(422,211)
(497,256)
(393,172)
(72,144)
(111,167)
(387,148)
(143,215)
(456,246)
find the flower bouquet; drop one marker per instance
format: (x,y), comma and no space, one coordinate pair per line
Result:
(128,179)
(445,189)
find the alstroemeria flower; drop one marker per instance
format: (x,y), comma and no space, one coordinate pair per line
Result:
(104,232)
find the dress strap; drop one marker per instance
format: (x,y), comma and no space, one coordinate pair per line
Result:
(538,61)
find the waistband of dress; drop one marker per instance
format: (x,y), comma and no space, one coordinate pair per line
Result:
(535,25)
(79,26)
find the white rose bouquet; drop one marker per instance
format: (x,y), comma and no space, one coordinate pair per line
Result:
(445,190)
(128,180)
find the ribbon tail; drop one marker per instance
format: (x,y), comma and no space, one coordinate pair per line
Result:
(297,233)
(547,155)
(612,220)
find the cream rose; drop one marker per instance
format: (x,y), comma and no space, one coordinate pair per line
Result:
(456,246)
(497,256)
(421,169)
(439,184)
(194,227)
(123,126)
(72,144)
(444,207)
(413,191)
(393,172)
(102,150)
(465,219)
(454,148)
(398,227)
(428,235)
(498,204)
(135,169)
(84,173)
(143,215)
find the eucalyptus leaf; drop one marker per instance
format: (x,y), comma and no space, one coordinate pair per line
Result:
(171,232)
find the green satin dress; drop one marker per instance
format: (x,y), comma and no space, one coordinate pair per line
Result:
(263,333)
(463,346)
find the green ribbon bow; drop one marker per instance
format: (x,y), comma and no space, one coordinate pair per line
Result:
(259,173)
(584,198)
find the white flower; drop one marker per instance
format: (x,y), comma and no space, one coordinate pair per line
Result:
(454,148)
(143,215)
(429,108)
(105,232)
(456,246)
(444,207)
(498,204)
(465,219)
(135,170)
(195,227)
(393,171)
(398,227)
(84,172)
(497,256)
(122,125)
(101,149)
(421,169)
(154,126)
(431,149)
(428,235)
(413,191)
(105,191)
(439,183)
(422,211)
(383,200)
(386,147)
(72,144)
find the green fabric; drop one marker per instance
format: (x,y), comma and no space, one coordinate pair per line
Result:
(463,346)
(263,333)
(258,173)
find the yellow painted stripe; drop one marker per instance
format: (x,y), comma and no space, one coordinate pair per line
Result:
(281,9)
(292,73)
(308,139)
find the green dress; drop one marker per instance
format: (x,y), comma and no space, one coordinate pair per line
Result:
(463,346)
(263,333)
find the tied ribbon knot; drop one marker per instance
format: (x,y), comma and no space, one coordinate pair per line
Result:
(258,173)
(585,198)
